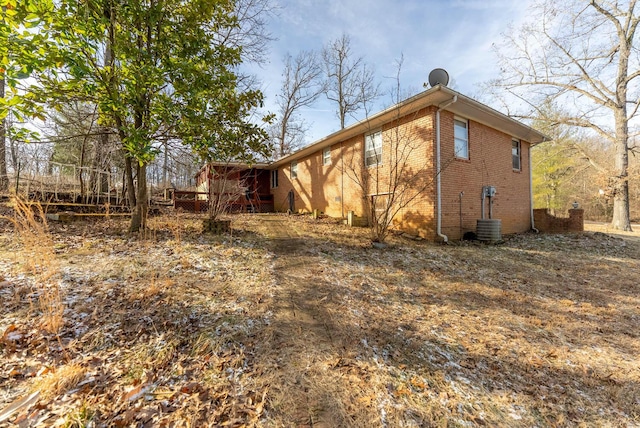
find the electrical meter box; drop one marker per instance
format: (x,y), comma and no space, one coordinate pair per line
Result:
(489,191)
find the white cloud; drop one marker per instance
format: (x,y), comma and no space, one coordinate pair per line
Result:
(456,35)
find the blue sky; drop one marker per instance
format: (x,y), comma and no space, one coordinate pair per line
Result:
(456,35)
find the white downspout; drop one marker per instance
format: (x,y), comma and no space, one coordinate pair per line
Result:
(438,171)
(533,225)
(341,178)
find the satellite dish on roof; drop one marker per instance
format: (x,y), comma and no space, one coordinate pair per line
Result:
(438,76)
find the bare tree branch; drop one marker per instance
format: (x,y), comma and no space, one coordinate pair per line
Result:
(581,56)
(301,87)
(350,81)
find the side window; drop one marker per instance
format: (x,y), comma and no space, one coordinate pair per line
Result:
(294,169)
(461,137)
(373,149)
(515,155)
(326,156)
(274,179)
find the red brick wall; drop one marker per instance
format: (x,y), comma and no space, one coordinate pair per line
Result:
(407,153)
(326,188)
(490,163)
(547,223)
(323,187)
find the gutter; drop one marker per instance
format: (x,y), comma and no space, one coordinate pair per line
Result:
(438,171)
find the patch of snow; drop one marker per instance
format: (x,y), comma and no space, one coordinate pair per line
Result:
(14,336)
(383,413)
(515,416)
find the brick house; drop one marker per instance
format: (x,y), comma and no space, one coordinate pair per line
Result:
(402,149)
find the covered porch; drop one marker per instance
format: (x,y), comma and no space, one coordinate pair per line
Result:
(240,188)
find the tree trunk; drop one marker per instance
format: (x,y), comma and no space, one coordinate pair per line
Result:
(13,152)
(283,135)
(102,161)
(621,218)
(131,189)
(100,164)
(139,215)
(4,179)
(165,165)
(621,214)
(83,196)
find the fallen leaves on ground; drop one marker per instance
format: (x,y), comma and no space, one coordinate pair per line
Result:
(298,322)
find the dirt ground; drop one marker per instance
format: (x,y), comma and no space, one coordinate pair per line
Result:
(634,237)
(298,322)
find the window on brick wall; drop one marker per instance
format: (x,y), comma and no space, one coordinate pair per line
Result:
(326,156)
(274,178)
(515,155)
(294,169)
(373,149)
(461,137)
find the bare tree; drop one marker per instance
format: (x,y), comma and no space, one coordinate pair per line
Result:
(176,167)
(350,81)
(584,57)
(251,35)
(78,139)
(225,188)
(301,87)
(392,175)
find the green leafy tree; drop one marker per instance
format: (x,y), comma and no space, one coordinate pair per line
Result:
(552,170)
(23,49)
(554,162)
(156,69)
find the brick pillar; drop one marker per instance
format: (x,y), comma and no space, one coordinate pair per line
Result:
(576,220)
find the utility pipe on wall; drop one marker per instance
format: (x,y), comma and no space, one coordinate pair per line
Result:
(461,195)
(490,206)
(438,171)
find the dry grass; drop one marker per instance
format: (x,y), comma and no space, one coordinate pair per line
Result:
(37,257)
(57,382)
(294,322)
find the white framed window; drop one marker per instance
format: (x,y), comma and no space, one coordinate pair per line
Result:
(294,169)
(373,149)
(515,155)
(326,156)
(461,137)
(274,178)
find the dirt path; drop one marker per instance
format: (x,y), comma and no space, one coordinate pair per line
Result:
(301,334)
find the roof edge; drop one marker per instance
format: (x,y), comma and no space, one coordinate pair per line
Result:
(427,98)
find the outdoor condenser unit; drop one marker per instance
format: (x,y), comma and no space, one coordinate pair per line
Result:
(488,229)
